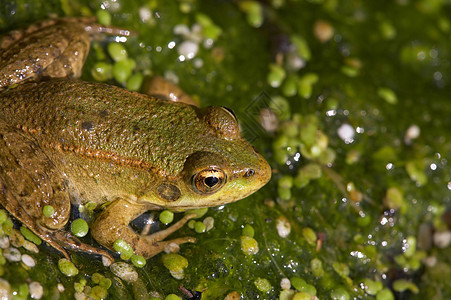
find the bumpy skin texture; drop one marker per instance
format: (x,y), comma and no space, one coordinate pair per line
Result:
(65,140)
(56,48)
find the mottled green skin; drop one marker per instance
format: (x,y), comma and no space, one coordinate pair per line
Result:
(106,118)
(126,134)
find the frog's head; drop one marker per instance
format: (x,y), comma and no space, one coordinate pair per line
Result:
(225,169)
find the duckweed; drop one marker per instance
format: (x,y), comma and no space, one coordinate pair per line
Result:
(98,292)
(166,216)
(138,261)
(29,235)
(210,30)
(285,181)
(415,169)
(350,71)
(339,294)
(302,296)
(172,297)
(90,206)
(22,291)
(200,227)
(96,277)
(103,17)
(289,87)
(124,271)
(117,52)
(402,285)
(309,235)
(394,198)
(410,246)
(298,283)
(3,216)
(286,295)
(302,47)
(48,211)
(388,95)
(276,75)
(249,245)
(302,286)
(7,226)
(263,285)
(248,230)
(372,287)
(102,71)
(317,267)
(341,268)
(80,286)
(191,224)
(281,107)
(67,267)
(124,249)
(105,282)
(199,212)
(134,82)
(385,294)
(305,85)
(122,70)
(254,12)
(176,264)
(284,193)
(79,227)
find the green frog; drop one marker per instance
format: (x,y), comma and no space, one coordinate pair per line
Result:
(65,141)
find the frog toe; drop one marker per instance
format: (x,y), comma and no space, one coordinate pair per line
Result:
(151,247)
(66,240)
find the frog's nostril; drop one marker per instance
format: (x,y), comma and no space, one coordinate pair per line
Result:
(249,173)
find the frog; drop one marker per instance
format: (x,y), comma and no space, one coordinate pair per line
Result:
(66,142)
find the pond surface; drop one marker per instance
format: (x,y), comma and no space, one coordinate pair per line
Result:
(347,100)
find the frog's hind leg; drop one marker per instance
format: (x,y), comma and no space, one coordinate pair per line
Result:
(10,38)
(25,185)
(52,48)
(28,182)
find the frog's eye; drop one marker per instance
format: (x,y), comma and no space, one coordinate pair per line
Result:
(209,181)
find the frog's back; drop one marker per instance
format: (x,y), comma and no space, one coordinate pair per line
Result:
(105,121)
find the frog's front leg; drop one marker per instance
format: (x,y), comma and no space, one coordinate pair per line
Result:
(113,224)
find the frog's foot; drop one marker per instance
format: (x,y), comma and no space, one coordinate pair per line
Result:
(66,240)
(113,224)
(143,248)
(156,239)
